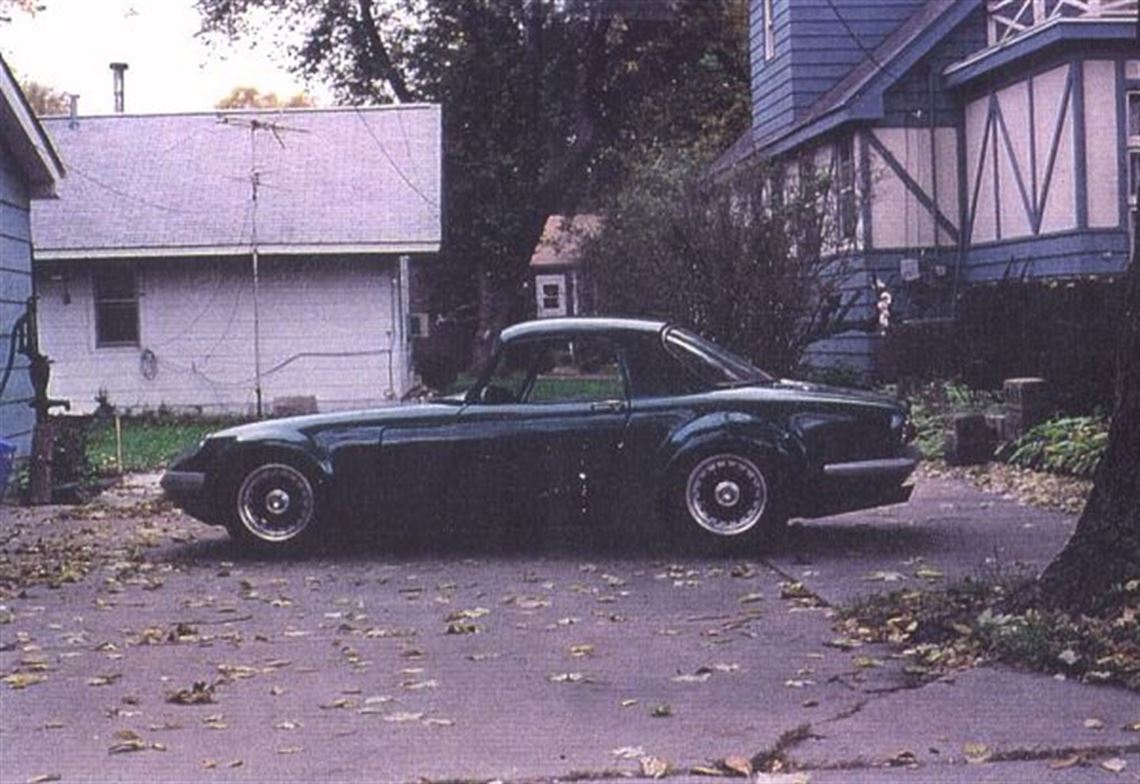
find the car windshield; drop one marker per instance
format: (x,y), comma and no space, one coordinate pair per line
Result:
(711,363)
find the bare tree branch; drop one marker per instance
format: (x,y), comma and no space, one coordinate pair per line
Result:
(378,54)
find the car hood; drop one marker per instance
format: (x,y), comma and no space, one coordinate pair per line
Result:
(314,423)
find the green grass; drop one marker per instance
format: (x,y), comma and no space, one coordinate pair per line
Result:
(148,444)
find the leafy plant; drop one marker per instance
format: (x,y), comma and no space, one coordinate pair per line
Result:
(1066,445)
(933,406)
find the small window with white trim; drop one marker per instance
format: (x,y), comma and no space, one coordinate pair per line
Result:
(550,295)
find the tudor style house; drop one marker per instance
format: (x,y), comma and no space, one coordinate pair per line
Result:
(29,170)
(964,140)
(237,261)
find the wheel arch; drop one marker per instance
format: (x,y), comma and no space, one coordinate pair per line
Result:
(754,435)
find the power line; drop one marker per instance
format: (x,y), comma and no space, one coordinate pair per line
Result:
(384,151)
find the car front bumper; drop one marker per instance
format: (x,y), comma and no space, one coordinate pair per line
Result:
(187,491)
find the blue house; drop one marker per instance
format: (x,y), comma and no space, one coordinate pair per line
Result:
(29,169)
(962,139)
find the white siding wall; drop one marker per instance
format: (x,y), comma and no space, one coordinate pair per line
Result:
(1102,157)
(329,328)
(898,218)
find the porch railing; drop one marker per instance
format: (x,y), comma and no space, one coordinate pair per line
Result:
(1009,18)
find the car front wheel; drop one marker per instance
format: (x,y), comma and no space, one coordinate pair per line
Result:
(731,496)
(274,506)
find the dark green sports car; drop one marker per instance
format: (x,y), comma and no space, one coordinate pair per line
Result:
(590,419)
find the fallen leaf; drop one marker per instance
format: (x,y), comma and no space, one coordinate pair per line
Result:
(22,680)
(1066,762)
(567,677)
(654,767)
(581,650)
(199,693)
(661,711)
(44,778)
(978,752)
(884,577)
(1114,765)
(738,764)
(1093,724)
(403,716)
(902,759)
(127,746)
(700,677)
(629,752)
(628,703)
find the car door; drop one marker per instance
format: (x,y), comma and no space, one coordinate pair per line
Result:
(544,433)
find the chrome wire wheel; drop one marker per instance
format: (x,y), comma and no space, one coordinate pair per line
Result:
(276,503)
(726,494)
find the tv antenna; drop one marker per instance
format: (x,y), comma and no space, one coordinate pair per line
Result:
(254,125)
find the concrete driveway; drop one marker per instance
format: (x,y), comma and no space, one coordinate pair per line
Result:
(164,654)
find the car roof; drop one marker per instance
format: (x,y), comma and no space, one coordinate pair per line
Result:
(580,325)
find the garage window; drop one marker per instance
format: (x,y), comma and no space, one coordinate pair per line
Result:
(116,307)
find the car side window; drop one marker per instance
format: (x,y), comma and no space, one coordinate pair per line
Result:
(575,370)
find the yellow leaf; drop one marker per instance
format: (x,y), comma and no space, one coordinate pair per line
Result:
(978,752)
(738,764)
(22,680)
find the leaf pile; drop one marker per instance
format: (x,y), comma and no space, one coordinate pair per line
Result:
(967,624)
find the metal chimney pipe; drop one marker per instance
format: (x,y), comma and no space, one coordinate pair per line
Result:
(119,70)
(73,110)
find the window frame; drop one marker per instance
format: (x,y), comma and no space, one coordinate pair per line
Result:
(1132,144)
(101,302)
(769,30)
(551,279)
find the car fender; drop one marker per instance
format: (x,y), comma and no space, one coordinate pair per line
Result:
(735,430)
(295,448)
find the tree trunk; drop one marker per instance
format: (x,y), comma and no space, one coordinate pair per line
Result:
(1104,551)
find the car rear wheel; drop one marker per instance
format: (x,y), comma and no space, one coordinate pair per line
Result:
(731,497)
(274,506)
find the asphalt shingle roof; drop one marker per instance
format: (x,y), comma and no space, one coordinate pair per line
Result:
(335,180)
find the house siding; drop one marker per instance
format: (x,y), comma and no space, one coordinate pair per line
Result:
(329,328)
(814,50)
(16,417)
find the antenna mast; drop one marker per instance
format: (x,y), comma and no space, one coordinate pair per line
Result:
(254,126)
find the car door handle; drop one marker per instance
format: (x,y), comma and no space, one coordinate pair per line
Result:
(612,406)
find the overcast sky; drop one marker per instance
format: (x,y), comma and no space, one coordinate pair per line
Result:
(70,44)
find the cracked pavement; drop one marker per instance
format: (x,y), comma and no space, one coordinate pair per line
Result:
(162,653)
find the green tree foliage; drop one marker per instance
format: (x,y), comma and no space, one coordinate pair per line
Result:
(724,257)
(244,97)
(45,100)
(543,101)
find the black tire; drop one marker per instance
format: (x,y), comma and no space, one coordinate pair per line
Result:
(730,498)
(274,506)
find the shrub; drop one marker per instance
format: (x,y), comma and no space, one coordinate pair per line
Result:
(933,406)
(1067,445)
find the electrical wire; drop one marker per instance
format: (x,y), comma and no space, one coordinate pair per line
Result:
(392,161)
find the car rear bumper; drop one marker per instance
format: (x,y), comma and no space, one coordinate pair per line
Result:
(863,484)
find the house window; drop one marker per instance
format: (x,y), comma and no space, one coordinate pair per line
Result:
(845,188)
(1133,146)
(419,325)
(769,31)
(550,295)
(116,306)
